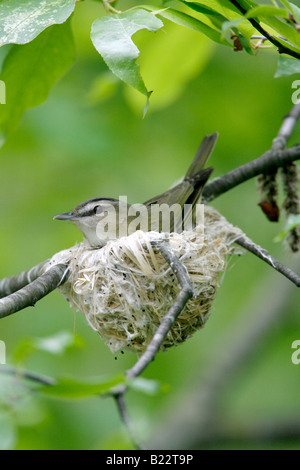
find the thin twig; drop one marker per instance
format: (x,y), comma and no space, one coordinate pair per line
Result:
(123,411)
(287,128)
(20,373)
(269,160)
(36,290)
(166,324)
(198,414)
(11,284)
(261,253)
(282,49)
(168,320)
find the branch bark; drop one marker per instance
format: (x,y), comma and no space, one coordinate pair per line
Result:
(36,290)
(287,128)
(269,160)
(168,320)
(197,417)
(123,411)
(34,377)
(261,253)
(10,285)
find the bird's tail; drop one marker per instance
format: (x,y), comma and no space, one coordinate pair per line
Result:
(202,155)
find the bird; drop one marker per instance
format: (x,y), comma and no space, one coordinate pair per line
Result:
(101,219)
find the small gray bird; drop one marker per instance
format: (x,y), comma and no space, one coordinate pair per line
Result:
(102,219)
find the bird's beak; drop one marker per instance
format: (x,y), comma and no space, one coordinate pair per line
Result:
(65,216)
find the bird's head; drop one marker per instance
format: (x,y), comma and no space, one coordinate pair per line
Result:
(96,218)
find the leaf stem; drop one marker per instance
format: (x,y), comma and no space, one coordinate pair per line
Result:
(107,5)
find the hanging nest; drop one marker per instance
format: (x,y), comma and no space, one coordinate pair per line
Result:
(125,288)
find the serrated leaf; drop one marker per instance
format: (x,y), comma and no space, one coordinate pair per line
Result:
(75,389)
(111,36)
(286,66)
(31,70)
(23,20)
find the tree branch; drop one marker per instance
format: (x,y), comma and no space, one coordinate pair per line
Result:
(281,48)
(123,411)
(261,253)
(198,415)
(10,285)
(287,128)
(38,378)
(168,320)
(36,290)
(269,160)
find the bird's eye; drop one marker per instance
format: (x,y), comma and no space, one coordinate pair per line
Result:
(98,210)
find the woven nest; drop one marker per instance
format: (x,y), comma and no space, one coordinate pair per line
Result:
(126,287)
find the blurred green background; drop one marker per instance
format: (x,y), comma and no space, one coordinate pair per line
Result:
(89,140)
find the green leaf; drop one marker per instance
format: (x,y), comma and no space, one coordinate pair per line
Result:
(222,7)
(216,18)
(267,11)
(146,386)
(188,21)
(56,344)
(227,11)
(160,60)
(4,50)
(111,36)
(31,70)
(228,25)
(245,43)
(282,28)
(295,11)
(75,389)
(292,222)
(23,20)
(287,66)
(287,5)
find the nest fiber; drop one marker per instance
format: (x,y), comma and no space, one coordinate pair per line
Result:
(125,288)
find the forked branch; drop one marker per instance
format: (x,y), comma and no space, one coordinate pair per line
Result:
(36,290)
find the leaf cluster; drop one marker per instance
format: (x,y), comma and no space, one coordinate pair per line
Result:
(37,46)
